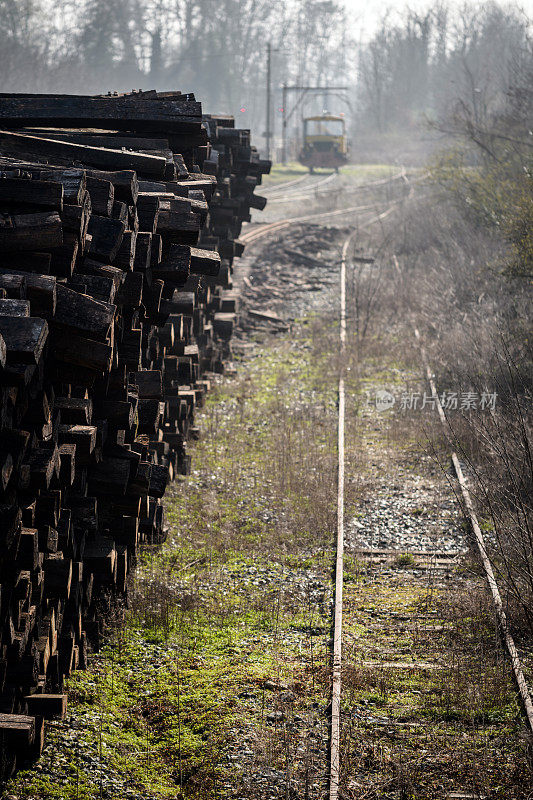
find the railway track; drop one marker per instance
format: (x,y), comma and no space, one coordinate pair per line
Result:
(470,514)
(250,237)
(269,191)
(318,188)
(327,185)
(302,192)
(428,562)
(268,228)
(365,724)
(264,229)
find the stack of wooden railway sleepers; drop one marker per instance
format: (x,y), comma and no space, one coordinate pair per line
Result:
(119,223)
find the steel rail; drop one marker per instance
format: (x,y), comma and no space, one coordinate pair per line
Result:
(273,227)
(507,638)
(304,191)
(336,688)
(270,190)
(278,187)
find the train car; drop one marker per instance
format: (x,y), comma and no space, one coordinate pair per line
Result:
(325,142)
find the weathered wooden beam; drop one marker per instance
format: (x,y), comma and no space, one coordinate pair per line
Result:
(107,235)
(21,145)
(17,731)
(205,262)
(22,191)
(24,337)
(49,706)
(13,308)
(135,112)
(30,231)
(83,314)
(102,194)
(40,291)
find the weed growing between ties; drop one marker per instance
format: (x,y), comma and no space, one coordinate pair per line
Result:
(429,706)
(217,684)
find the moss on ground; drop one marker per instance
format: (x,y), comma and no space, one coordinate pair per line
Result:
(220,607)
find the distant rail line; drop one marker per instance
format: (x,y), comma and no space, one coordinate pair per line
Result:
(278,187)
(266,229)
(318,187)
(301,192)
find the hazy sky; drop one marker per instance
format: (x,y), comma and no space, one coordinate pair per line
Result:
(365,14)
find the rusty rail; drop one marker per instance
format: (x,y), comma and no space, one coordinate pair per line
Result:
(334,765)
(507,638)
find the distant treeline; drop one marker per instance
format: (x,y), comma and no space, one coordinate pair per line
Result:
(216,48)
(415,66)
(443,64)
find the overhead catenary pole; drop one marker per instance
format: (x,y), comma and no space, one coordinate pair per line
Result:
(284,124)
(268,131)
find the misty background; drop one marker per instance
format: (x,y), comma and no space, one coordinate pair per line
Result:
(402,67)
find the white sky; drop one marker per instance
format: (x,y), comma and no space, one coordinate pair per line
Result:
(365,14)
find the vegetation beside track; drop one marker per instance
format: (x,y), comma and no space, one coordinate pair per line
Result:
(219,679)
(428,700)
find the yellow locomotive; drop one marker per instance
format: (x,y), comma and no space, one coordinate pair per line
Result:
(324,142)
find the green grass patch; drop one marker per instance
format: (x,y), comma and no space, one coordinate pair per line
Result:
(282,173)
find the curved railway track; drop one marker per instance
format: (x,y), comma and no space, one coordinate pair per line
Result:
(301,192)
(279,187)
(317,188)
(266,229)
(310,183)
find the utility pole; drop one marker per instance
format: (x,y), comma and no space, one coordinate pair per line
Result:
(268,132)
(284,125)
